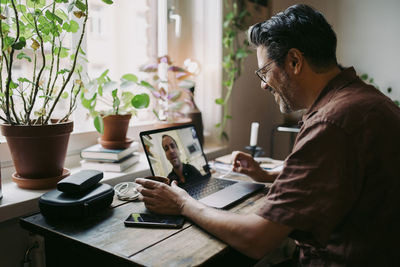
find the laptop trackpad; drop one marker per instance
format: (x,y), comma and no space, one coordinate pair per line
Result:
(230,194)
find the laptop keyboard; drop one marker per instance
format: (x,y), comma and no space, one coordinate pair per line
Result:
(211,186)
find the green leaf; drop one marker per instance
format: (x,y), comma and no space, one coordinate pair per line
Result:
(22,55)
(228,117)
(114,93)
(64,95)
(21,8)
(141,101)
(109,2)
(130,77)
(241,53)
(73,26)
(63,52)
(13,85)
(60,13)
(103,75)
(364,77)
(98,124)
(81,51)
(80,5)
(62,71)
(219,101)
(224,135)
(127,97)
(147,85)
(23,80)
(389,89)
(36,3)
(51,16)
(218,125)
(20,44)
(78,68)
(71,7)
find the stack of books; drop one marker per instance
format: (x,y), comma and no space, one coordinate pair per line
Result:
(109,160)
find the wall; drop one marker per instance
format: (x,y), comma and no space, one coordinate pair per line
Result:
(368,36)
(368,39)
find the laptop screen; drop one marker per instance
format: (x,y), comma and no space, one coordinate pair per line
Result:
(170,150)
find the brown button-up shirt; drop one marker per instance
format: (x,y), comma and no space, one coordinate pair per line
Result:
(340,187)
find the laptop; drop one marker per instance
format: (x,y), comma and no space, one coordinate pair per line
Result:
(173,146)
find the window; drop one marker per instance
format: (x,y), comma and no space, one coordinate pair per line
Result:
(123,36)
(119,37)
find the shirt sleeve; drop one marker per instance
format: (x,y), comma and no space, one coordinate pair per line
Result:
(317,186)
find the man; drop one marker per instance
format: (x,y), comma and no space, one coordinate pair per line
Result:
(181,172)
(338,192)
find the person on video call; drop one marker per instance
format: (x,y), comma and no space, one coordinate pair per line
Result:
(338,192)
(181,172)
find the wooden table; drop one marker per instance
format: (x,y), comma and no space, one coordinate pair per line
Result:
(103,240)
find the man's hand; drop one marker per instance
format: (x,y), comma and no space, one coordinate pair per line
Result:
(245,163)
(162,198)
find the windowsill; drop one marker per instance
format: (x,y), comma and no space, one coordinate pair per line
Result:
(17,202)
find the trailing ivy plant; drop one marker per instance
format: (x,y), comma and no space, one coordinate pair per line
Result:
(235,51)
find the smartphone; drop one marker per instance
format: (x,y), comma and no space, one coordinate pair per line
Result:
(154,220)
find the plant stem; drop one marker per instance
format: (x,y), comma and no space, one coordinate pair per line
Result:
(73,64)
(36,89)
(57,68)
(48,91)
(9,69)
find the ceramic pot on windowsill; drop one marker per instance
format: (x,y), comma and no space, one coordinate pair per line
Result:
(115,130)
(38,153)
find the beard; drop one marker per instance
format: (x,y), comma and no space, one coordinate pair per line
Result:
(284,96)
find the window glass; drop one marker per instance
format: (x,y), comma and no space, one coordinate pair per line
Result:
(118,38)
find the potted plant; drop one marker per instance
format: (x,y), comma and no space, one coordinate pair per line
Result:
(112,106)
(33,35)
(168,86)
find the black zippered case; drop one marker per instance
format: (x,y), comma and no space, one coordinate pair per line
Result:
(56,204)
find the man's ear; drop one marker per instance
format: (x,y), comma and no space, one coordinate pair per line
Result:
(295,60)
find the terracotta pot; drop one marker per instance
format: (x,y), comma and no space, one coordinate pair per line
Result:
(115,129)
(38,151)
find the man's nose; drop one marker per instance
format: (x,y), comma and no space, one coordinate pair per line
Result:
(265,86)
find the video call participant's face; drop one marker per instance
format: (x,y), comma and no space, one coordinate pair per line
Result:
(171,151)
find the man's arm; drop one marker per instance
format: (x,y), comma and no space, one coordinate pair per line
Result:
(250,234)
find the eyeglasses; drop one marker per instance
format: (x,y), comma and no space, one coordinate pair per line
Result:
(261,73)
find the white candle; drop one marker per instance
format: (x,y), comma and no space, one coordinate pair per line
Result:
(254,133)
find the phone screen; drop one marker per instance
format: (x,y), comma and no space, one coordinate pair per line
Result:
(154,220)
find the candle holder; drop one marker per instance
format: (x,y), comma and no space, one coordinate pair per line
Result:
(255,151)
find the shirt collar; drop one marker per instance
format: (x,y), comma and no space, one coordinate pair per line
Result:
(345,77)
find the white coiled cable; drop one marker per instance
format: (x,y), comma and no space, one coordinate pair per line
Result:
(127,191)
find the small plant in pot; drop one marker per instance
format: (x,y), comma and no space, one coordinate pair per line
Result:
(34,37)
(112,105)
(166,86)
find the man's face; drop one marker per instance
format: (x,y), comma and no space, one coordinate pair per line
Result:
(171,151)
(276,81)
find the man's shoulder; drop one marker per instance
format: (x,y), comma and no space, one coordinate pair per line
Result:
(353,106)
